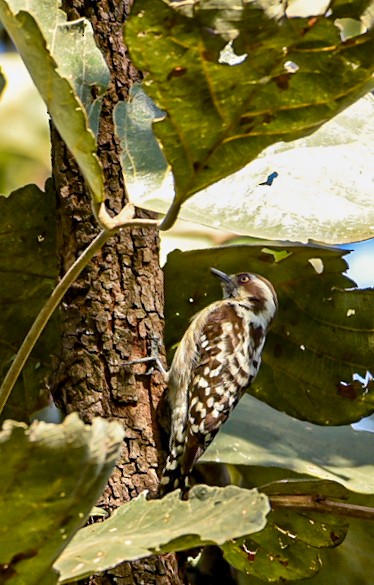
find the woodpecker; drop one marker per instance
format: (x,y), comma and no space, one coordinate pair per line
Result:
(216,360)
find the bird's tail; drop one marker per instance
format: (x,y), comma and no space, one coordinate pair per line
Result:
(172,476)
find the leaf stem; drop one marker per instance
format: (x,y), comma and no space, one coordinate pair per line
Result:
(315,503)
(170,217)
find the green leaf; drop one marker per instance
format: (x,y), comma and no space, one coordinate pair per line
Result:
(283,550)
(50,475)
(288,547)
(351,563)
(256,434)
(141,528)
(318,352)
(56,53)
(219,112)
(28,273)
(349,8)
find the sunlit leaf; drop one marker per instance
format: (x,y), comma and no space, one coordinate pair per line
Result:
(140,528)
(295,74)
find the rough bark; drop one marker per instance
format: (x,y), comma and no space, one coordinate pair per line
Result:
(112,311)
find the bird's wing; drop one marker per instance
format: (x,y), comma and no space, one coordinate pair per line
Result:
(223,370)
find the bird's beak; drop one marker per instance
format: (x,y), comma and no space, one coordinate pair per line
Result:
(228,285)
(221,275)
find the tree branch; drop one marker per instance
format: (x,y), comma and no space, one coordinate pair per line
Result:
(315,503)
(125,218)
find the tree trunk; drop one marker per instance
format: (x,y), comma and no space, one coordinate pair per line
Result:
(112,311)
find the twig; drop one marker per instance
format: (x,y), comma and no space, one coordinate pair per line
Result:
(125,218)
(313,503)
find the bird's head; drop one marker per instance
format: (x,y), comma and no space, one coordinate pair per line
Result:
(251,289)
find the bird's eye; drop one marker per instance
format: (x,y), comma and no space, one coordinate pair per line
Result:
(243,279)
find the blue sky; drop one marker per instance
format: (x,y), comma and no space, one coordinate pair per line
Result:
(361,263)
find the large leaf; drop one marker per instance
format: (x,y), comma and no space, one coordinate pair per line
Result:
(66,66)
(50,477)
(141,528)
(318,187)
(28,273)
(295,74)
(318,352)
(257,435)
(288,547)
